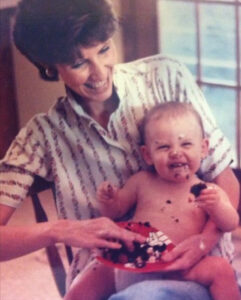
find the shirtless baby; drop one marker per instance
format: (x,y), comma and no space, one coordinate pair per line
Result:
(173,147)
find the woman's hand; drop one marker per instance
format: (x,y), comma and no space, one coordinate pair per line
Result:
(187,253)
(94,233)
(101,232)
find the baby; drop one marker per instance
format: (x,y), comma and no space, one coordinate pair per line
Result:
(173,146)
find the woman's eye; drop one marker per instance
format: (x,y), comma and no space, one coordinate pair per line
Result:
(104,49)
(78,65)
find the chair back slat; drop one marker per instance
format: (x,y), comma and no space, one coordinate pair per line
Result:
(54,258)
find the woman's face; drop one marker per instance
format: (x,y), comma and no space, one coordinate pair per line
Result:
(91,76)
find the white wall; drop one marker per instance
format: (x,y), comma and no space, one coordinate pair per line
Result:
(35,95)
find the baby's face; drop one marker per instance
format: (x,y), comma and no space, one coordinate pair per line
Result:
(175,147)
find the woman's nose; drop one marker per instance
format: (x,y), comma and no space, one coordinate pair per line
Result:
(98,70)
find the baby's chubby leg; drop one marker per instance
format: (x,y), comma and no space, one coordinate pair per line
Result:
(217,274)
(96,282)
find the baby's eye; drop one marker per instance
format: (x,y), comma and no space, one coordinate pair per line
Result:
(163,147)
(186,144)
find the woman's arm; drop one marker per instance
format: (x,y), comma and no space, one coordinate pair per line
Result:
(20,240)
(229,183)
(17,241)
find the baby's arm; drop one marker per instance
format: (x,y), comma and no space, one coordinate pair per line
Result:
(115,203)
(216,203)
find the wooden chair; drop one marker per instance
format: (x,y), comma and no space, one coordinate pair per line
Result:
(54,257)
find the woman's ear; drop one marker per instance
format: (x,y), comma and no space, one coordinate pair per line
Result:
(146,155)
(48,73)
(204,150)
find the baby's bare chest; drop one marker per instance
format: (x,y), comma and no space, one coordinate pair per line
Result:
(174,214)
(166,203)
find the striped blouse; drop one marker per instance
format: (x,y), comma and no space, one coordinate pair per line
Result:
(68,147)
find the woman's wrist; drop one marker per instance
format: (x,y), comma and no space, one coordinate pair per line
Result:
(56,231)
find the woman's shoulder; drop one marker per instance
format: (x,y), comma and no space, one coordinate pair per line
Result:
(48,118)
(148,63)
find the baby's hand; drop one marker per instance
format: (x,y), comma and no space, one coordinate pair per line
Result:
(209,198)
(106,192)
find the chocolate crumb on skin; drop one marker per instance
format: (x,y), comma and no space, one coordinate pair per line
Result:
(163,209)
(175,219)
(190,200)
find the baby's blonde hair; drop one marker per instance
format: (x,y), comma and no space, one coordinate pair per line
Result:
(171,110)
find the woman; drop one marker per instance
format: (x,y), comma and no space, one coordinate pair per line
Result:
(92,133)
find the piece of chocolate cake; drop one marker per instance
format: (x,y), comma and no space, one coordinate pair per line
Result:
(197,188)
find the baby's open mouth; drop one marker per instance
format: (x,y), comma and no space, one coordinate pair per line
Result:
(178,165)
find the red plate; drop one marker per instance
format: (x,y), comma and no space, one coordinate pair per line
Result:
(149,267)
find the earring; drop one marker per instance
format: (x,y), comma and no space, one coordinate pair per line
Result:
(48,72)
(51,74)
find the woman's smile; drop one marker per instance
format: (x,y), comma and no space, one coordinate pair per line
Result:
(98,87)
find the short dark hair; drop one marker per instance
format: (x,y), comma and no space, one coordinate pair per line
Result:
(171,109)
(51,31)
